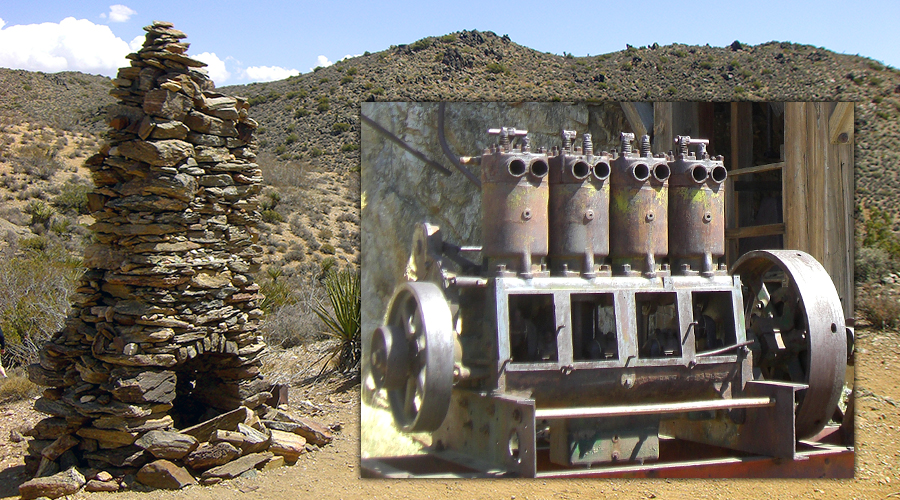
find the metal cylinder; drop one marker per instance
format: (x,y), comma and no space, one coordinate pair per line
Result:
(579,210)
(696,210)
(514,202)
(638,212)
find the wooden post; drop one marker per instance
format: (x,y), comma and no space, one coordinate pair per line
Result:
(662,127)
(741,157)
(818,188)
(840,240)
(794,176)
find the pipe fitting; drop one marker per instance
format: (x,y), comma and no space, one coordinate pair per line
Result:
(698,173)
(539,168)
(516,167)
(661,172)
(641,172)
(580,170)
(601,170)
(719,174)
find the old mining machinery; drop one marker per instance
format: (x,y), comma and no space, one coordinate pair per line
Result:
(601,315)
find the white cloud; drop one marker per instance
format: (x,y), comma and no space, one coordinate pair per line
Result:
(268,73)
(348,56)
(215,66)
(70,45)
(323,62)
(119,13)
(136,43)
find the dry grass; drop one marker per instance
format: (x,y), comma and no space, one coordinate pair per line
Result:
(17,387)
(379,437)
(882,311)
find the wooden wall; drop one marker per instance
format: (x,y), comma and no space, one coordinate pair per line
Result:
(817,175)
(818,188)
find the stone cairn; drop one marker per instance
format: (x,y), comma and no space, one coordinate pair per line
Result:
(163,330)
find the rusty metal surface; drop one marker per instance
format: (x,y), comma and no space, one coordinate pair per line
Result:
(799,322)
(765,430)
(514,201)
(567,380)
(678,459)
(504,360)
(499,431)
(579,210)
(638,211)
(420,319)
(696,211)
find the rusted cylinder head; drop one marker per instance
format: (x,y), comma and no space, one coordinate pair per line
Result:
(514,200)
(696,210)
(638,213)
(579,210)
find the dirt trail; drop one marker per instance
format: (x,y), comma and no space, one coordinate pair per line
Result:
(333,472)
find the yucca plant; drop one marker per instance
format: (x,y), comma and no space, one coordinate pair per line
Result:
(343,319)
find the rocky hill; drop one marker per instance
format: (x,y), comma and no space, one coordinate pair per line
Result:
(309,133)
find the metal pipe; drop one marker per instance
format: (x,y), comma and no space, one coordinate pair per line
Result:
(455,160)
(652,409)
(719,174)
(601,170)
(723,350)
(698,173)
(398,141)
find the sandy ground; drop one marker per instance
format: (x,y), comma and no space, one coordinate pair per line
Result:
(333,471)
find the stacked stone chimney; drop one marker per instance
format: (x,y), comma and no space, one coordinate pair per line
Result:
(163,329)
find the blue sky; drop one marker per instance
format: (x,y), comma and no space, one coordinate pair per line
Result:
(260,41)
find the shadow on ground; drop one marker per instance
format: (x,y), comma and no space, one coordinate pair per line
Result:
(10,479)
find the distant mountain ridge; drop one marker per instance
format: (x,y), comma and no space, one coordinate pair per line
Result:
(313,118)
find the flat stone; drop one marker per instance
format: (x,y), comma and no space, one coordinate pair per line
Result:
(274,463)
(163,153)
(236,468)
(148,203)
(64,483)
(127,456)
(166,475)
(50,407)
(107,438)
(208,154)
(181,187)
(216,180)
(41,376)
(167,104)
(102,257)
(47,468)
(167,444)
(211,280)
(97,485)
(221,102)
(287,444)
(154,422)
(169,130)
(157,360)
(227,421)
(206,124)
(314,432)
(211,455)
(59,446)
(48,428)
(199,139)
(143,387)
(235,438)
(254,441)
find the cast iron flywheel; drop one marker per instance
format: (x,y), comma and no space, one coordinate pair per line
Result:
(793,311)
(412,356)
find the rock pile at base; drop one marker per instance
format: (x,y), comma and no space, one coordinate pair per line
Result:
(163,329)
